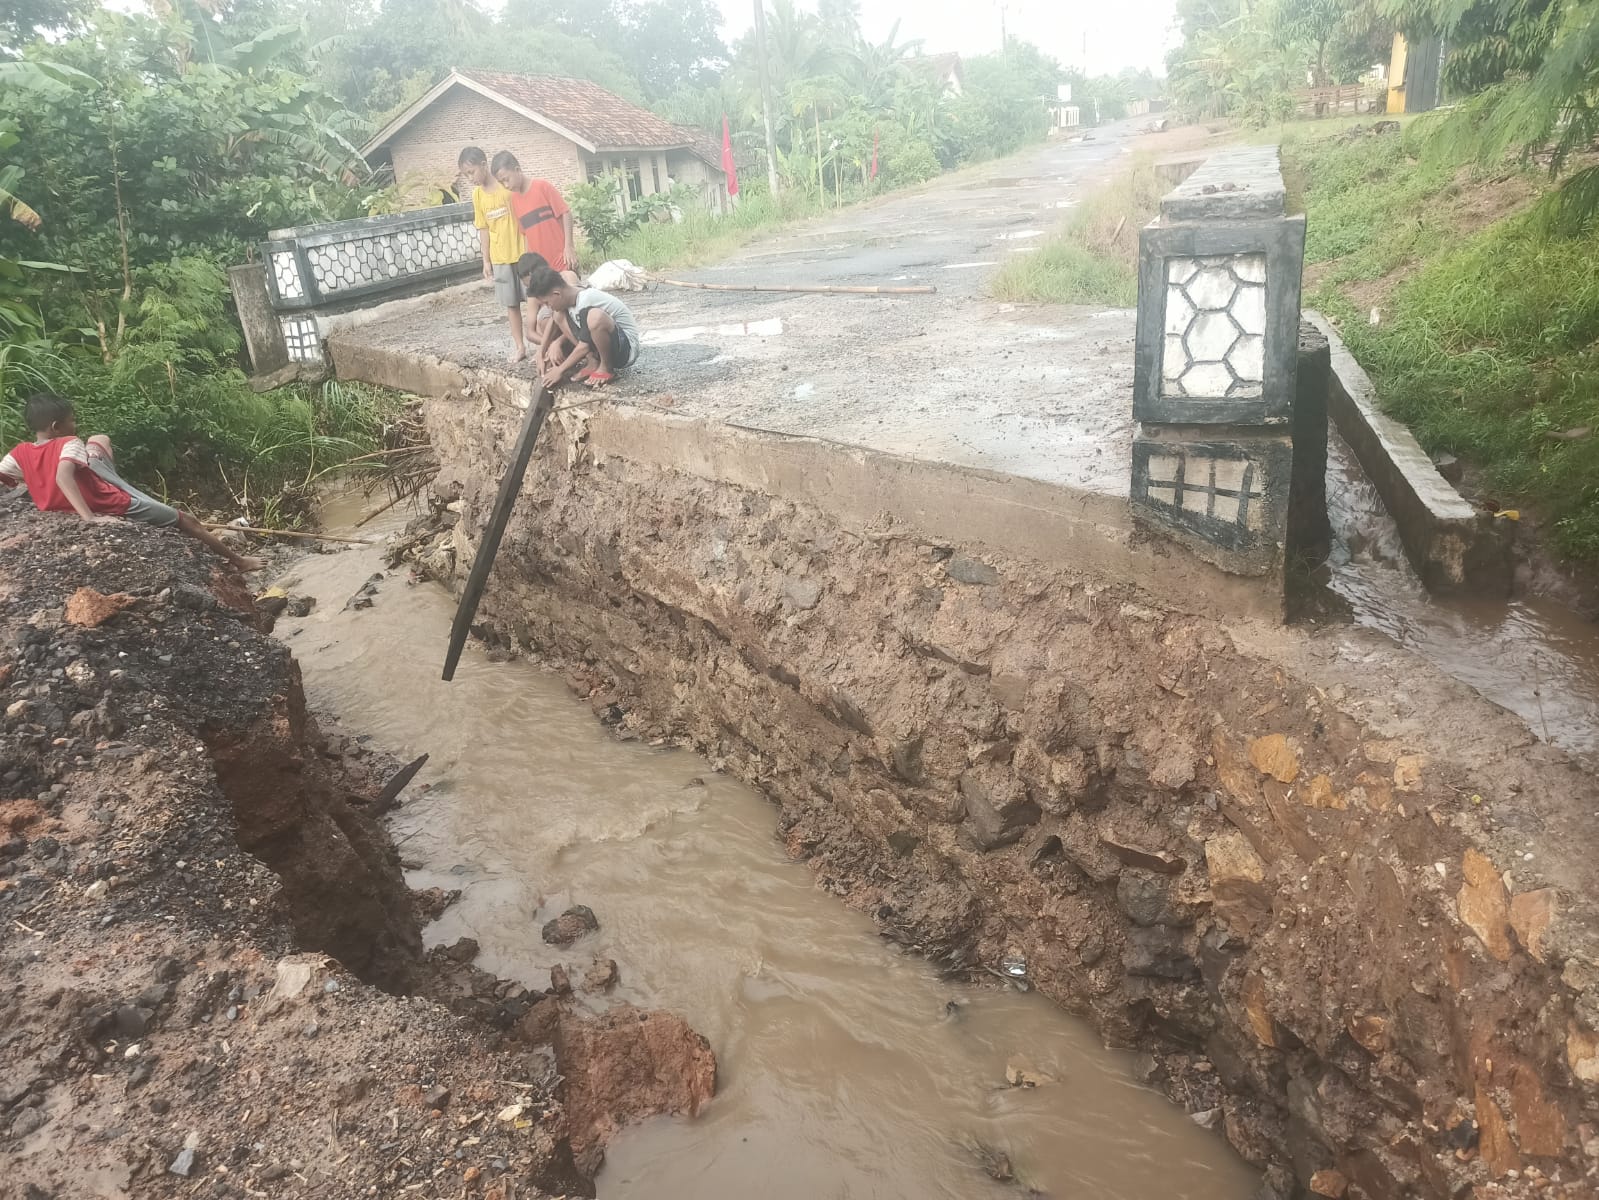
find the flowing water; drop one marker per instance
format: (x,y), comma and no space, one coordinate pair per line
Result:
(1536,657)
(847,1068)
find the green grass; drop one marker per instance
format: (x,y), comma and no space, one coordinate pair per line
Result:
(1489,350)
(1093,257)
(1486,343)
(210,442)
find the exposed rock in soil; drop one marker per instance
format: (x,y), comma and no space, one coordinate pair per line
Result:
(214,981)
(629,1064)
(570,925)
(1248,852)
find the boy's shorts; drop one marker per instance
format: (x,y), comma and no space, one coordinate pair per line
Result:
(145,509)
(622,348)
(508,286)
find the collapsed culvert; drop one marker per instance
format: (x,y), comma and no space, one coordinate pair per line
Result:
(1268,868)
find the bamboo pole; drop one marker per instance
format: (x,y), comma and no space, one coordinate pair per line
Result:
(807,288)
(489,545)
(290,533)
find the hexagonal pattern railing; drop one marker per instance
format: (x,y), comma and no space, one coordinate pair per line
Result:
(316,270)
(1215,342)
(1214,374)
(346,262)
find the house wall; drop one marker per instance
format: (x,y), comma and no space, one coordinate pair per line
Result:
(426,151)
(696,172)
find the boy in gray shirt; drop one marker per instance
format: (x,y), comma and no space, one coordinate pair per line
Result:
(591,329)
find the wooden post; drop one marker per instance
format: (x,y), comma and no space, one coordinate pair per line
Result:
(510,488)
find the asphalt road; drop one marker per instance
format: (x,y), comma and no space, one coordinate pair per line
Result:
(1037,390)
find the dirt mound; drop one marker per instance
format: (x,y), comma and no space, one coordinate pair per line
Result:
(215,975)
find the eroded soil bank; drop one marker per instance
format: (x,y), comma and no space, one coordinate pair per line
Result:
(847,1066)
(214,978)
(1338,896)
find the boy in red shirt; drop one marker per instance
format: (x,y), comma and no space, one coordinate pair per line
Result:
(545,219)
(65,474)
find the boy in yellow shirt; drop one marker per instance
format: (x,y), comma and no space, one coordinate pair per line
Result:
(500,238)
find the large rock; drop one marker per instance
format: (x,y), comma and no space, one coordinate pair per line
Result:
(1484,904)
(1237,881)
(998,809)
(570,925)
(627,1065)
(1158,953)
(1150,899)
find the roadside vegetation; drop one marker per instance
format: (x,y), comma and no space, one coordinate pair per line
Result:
(1093,257)
(142,154)
(1474,309)
(136,165)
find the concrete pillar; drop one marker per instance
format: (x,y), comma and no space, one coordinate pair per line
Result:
(263,335)
(1309,531)
(1216,364)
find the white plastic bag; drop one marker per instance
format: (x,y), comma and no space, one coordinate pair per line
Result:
(618,275)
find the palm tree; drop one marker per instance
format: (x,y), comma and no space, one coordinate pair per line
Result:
(811,95)
(874,68)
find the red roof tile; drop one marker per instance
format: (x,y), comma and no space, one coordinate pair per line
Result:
(597,116)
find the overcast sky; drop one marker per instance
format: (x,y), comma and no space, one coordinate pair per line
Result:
(1121,33)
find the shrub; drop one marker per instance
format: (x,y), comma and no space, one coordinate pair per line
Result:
(911,161)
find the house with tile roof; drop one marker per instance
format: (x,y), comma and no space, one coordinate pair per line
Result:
(564,130)
(943,68)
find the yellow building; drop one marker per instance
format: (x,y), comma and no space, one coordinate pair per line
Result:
(1413,74)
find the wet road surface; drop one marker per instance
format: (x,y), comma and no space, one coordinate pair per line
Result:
(1039,391)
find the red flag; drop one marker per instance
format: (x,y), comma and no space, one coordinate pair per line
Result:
(874,153)
(727,158)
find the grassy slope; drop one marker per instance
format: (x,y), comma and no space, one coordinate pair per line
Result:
(1487,320)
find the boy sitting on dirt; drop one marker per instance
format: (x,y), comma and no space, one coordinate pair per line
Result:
(63,474)
(591,329)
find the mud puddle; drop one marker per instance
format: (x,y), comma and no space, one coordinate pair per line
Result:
(847,1068)
(1535,657)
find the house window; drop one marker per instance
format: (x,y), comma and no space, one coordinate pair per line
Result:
(655,169)
(593,168)
(635,179)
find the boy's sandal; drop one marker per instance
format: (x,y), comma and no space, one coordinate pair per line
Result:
(598,379)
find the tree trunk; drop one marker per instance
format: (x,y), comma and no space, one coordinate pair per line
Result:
(821,185)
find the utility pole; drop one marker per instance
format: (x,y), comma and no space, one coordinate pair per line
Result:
(766,96)
(1004,39)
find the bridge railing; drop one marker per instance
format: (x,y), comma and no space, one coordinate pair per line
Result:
(314,271)
(1216,459)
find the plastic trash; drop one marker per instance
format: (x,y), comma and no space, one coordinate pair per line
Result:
(619,275)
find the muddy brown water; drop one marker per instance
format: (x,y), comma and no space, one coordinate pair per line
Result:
(847,1067)
(1534,656)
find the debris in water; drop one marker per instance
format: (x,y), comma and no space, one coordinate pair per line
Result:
(1014,965)
(391,790)
(995,1163)
(1020,1073)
